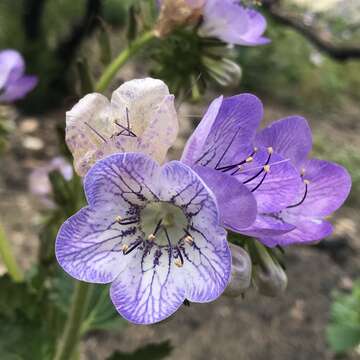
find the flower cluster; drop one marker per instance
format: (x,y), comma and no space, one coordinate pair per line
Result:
(14,85)
(157,232)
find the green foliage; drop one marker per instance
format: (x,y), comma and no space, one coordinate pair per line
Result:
(302,77)
(149,352)
(343,332)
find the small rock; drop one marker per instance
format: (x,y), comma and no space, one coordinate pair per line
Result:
(32,143)
(298,310)
(29,125)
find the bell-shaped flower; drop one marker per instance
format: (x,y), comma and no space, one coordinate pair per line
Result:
(151,231)
(325,185)
(14,85)
(140,117)
(221,151)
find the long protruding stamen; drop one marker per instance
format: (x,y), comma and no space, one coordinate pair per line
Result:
(126,221)
(152,237)
(179,261)
(264,168)
(128,250)
(237,165)
(126,130)
(306,182)
(95,131)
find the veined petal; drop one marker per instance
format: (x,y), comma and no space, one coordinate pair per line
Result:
(289,137)
(88,245)
(123,180)
(274,187)
(235,123)
(328,187)
(149,289)
(307,231)
(237,205)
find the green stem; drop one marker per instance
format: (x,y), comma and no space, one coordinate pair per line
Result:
(9,259)
(121,59)
(69,343)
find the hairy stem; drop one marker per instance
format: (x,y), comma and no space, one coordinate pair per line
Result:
(121,59)
(68,345)
(9,259)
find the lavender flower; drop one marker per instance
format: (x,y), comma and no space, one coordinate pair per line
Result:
(233,23)
(293,194)
(220,150)
(141,117)
(14,85)
(151,231)
(226,20)
(325,185)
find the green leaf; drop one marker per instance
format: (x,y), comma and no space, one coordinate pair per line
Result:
(342,337)
(148,352)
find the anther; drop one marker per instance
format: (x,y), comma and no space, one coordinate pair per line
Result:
(125,248)
(249,159)
(118,219)
(270,150)
(151,237)
(178,263)
(256,149)
(306,182)
(189,240)
(266,168)
(302,172)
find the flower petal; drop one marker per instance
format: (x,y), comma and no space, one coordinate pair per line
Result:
(18,88)
(224,20)
(88,245)
(329,185)
(236,203)
(87,128)
(267,225)
(236,122)
(12,66)
(289,137)
(307,231)
(122,180)
(275,188)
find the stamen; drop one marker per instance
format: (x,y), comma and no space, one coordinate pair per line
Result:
(157,226)
(180,256)
(266,168)
(95,131)
(237,165)
(129,250)
(302,172)
(249,159)
(126,221)
(178,263)
(306,182)
(125,248)
(151,237)
(189,240)
(260,183)
(270,150)
(126,129)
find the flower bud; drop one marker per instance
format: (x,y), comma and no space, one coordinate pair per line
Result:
(240,272)
(174,13)
(269,277)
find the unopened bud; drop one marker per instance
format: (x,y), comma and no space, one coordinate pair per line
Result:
(240,272)
(269,277)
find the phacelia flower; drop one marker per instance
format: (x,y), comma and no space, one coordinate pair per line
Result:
(293,194)
(226,20)
(141,117)
(233,23)
(325,185)
(151,231)
(14,85)
(221,151)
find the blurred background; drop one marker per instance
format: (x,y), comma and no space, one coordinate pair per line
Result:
(311,67)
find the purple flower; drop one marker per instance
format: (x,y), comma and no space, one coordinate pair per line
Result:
(325,185)
(233,23)
(221,151)
(14,85)
(293,194)
(151,231)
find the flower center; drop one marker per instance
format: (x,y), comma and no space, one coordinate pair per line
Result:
(163,223)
